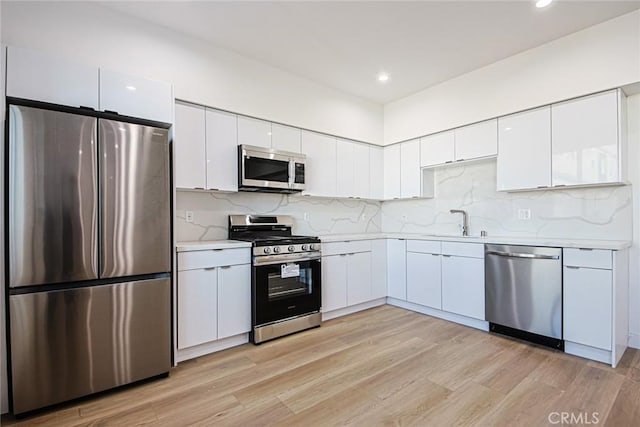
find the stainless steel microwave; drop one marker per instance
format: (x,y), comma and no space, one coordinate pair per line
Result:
(268,170)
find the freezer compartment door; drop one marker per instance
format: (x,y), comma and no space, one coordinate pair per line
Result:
(53,211)
(134,199)
(70,343)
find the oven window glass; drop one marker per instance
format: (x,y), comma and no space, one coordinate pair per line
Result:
(280,287)
(266,169)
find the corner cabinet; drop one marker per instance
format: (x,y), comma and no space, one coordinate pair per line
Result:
(213,300)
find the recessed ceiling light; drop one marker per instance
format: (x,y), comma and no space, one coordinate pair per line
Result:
(383,77)
(543,3)
(131,88)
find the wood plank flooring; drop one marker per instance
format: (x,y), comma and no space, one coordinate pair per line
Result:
(384,366)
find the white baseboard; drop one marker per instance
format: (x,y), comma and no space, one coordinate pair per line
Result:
(587,352)
(352,309)
(445,315)
(211,347)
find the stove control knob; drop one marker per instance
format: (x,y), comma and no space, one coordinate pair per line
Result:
(312,247)
(267,250)
(292,248)
(276,249)
(305,247)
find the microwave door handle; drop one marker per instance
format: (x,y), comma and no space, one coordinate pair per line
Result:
(292,172)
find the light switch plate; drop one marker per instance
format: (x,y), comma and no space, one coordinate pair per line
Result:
(188,216)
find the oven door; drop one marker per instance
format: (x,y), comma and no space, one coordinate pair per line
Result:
(285,290)
(264,169)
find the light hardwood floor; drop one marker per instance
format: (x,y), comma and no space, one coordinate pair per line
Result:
(384,366)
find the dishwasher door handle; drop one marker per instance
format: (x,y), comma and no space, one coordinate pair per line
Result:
(521,255)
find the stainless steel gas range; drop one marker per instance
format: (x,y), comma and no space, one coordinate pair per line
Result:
(285,276)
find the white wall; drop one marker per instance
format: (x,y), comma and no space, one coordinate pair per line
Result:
(200,73)
(633,113)
(597,58)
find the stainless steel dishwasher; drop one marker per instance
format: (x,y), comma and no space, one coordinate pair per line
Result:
(523,293)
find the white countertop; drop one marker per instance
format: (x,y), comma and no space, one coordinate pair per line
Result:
(210,244)
(530,241)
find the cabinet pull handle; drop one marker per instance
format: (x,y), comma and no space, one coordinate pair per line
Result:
(217,249)
(225,266)
(542,186)
(446,256)
(573,267)
(560,185)
(435,254)
(198,188)
(210,268)
(215,189)
(585,249)
(460,160)
(344,254)
(449,161)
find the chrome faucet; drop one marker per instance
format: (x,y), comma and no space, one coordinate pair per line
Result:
(465,220)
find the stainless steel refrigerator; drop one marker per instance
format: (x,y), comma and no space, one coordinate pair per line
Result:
(88,252)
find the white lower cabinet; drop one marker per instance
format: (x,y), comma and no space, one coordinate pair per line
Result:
(423,279)
(463,286)
(334,282)
(397,269)
(348,273)
(213,296)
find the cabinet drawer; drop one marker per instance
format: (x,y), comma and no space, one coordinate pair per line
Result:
(423,246)
(335,248)
(591,258)
(213,258)
(470,250)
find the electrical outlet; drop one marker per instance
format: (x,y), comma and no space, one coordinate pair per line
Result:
(188,216)
(524,214)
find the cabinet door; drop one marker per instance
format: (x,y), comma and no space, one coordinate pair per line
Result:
(286,138)
(524,150)
(254,132)
(136,96)
(397,269)
(344,169)
(189,142)
(197,306)
(359,278)
(320,168)
(234,300)
(463,286)
(477,140)
(222,150)
(334,282)
(48,78)
(361,178)
(585,140)
(378,269)
(437,149)
(423,279)
(410,169)
(392,172)
(587,306)
(376,173)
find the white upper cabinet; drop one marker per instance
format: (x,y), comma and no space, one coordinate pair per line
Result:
(136,96)
(477,140)
(392,172)
(254,132)
(320,168)
(344,166)
(376,173)
(524,150)
(47,78)
(189,146)
(361,169)
(585,144)
(222,151)
(286,138)
(437,149)
(410,176)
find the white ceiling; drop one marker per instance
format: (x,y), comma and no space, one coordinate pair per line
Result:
(344,45)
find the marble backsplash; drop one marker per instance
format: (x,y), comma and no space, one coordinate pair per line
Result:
(589,213)
(312,215)
(585,213)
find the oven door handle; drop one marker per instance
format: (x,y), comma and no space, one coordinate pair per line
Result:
(282,259)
